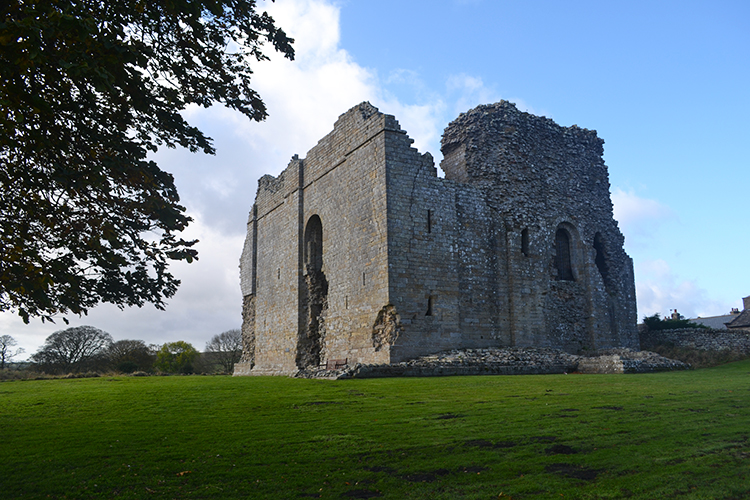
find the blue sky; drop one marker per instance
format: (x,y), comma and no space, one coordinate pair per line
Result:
(665,84)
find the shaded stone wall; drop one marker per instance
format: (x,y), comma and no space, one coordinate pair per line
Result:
(699,338)
(517,246)
(277,298)
(423,286)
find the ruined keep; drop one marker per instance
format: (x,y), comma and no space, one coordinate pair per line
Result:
(361,252)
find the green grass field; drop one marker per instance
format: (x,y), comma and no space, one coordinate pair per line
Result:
(665,435)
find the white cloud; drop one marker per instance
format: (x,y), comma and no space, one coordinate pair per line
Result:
(659,289)
(471,92)
(313,24)
(639,218)
(632,209)
(207,302)
(421,121)
(306,96)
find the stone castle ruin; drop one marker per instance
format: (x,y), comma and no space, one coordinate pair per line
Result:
(360,252)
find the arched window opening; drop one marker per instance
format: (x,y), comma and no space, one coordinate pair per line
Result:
(314,244)
(562,256)
(601,257)
(525,241)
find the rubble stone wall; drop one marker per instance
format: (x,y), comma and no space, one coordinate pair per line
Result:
(699,338)
(542,178)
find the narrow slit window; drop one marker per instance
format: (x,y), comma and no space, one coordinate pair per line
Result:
(278,273)
(525,241)
(562,256)
(429,221)
(429,306)
(364,279)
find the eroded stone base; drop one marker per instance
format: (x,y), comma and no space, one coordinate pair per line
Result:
(628,361)
(508,361)
(242,368)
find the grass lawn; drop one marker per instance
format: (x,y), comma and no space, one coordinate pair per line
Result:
(665,435)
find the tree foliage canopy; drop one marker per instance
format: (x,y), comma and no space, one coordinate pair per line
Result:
(72,350)
(127,356)
(176,357)
(88,88)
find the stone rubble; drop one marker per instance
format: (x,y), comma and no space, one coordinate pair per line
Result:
(506,361)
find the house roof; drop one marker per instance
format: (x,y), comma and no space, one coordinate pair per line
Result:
(741,321)
(715,322)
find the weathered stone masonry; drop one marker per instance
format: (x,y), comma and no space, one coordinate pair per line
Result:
(360,252)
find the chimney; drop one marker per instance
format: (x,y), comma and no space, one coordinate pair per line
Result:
(746,303)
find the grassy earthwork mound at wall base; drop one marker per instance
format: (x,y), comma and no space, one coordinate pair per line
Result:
(673,434)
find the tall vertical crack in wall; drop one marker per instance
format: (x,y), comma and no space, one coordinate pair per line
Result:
(248,330)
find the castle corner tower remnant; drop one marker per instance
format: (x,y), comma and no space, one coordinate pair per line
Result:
(360,252)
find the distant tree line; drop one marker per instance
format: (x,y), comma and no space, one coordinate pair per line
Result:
(84,349)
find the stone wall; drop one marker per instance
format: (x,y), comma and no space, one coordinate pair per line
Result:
(698,338)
